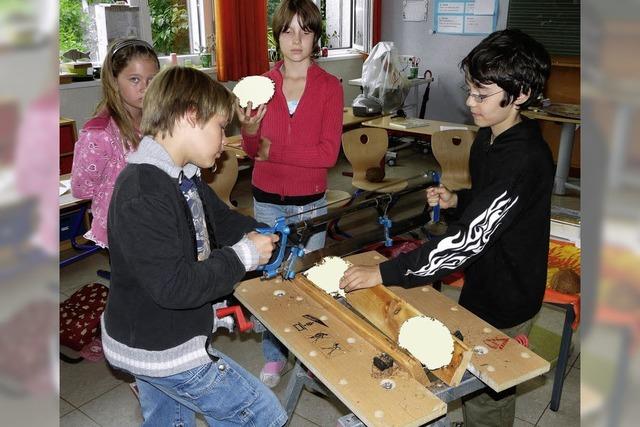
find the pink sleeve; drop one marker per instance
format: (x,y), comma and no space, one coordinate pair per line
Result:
(250,143)
(91,154)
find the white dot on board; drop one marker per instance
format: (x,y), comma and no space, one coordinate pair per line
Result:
(425,289)
(487,330)
(378,414)
(351,340)
(279,293)
(243,290)
(454,308)
(479,349)
(376,257)
(278,280)
(323,317)
(491,368)
(343,381)
(313,353)
(287,330)
(525,355)
(264,308)
(299,298)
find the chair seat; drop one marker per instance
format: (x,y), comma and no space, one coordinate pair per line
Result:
(337,198)
(387,185)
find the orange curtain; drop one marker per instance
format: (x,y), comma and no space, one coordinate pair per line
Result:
(241,38)
(376,32)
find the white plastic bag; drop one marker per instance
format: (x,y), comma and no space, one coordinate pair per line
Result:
(382,79)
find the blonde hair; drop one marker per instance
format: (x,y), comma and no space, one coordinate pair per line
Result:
(309,18)
(176,91)
(120,53)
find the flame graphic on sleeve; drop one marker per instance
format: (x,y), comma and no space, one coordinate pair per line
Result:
(453,251)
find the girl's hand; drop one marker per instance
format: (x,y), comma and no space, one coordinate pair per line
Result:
(263,149)
(440,195)
(250,123)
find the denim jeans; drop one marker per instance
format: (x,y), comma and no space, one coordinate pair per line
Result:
(222,391)
(273,350)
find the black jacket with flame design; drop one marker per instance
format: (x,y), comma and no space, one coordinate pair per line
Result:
(501,237)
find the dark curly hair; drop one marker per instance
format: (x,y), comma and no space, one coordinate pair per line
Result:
(511,59)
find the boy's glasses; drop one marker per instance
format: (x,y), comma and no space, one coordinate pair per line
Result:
(478,97)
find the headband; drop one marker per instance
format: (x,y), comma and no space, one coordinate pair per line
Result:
(129,42)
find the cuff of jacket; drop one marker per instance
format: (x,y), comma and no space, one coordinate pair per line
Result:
(391,274)
(248,253)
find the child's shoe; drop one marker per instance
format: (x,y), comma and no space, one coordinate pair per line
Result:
(270,373)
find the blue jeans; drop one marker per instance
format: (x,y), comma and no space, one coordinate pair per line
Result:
(222,391)
(273,350)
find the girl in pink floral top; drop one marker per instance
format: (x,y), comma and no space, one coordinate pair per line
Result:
(105,140)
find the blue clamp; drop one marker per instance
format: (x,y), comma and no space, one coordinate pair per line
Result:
(436,209)
(288,273)
(271,269)
(386,223)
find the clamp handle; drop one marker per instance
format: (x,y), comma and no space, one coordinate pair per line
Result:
(271,268)
(436,209)
(386,223)
(242,322)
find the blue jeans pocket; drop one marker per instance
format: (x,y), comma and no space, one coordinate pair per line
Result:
(219,391)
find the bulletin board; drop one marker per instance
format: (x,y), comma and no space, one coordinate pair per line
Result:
(465,17)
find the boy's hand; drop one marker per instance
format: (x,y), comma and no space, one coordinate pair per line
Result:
(441,195)
(360,277)
(250,123)
(264,243)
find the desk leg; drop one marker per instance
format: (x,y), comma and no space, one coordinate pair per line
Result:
(564,157)
(563,357)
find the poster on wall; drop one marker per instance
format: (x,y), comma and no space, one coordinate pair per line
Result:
(415,10)
(465,17)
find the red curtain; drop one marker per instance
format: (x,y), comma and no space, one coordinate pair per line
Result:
(241,38)
(376,33)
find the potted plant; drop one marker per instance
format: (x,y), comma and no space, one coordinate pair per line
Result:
(207,51)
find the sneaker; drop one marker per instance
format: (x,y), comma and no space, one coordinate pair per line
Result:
(270,373)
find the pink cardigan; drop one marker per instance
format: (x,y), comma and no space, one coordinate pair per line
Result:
(99,156)
(305,146)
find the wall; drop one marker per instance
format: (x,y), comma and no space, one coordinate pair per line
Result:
(440,53)
(78,100)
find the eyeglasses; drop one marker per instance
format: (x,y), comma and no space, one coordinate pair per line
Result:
(478,97)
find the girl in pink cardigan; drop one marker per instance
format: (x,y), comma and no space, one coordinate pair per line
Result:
(106,139)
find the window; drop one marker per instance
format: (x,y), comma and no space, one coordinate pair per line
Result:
(181,26)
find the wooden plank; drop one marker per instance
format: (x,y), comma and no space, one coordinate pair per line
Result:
(499,361)
(339,356)
(386,345)
(387,312)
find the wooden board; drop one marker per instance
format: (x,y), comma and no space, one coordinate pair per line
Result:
(339,356)
(387,312)
(499,361)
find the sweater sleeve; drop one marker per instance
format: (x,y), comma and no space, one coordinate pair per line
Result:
(250,143)
(324,152)
(482,223)
(91,154)
(148,238)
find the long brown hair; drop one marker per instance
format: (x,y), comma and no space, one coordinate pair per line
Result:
(309,18)
(120,53)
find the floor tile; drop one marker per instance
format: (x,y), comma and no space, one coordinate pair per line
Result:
(78,274)
(298,421)
(84,381)
(533,397)
(77,419)
(118,407)
(323,411)
(65,407)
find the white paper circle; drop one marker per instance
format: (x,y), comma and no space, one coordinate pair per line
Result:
(257,89)
(428,340)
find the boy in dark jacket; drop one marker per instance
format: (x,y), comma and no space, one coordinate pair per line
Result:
(176,247)
(501,239)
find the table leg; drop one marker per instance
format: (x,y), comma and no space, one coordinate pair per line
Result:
(564,158)
(563,357)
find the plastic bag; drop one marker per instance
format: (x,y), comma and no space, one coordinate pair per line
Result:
(382,79)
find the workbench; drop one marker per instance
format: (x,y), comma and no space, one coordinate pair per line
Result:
(338,347)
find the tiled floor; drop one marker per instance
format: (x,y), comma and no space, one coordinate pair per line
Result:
(93,395)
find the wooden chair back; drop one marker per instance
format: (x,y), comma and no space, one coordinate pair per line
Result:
(451,148)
